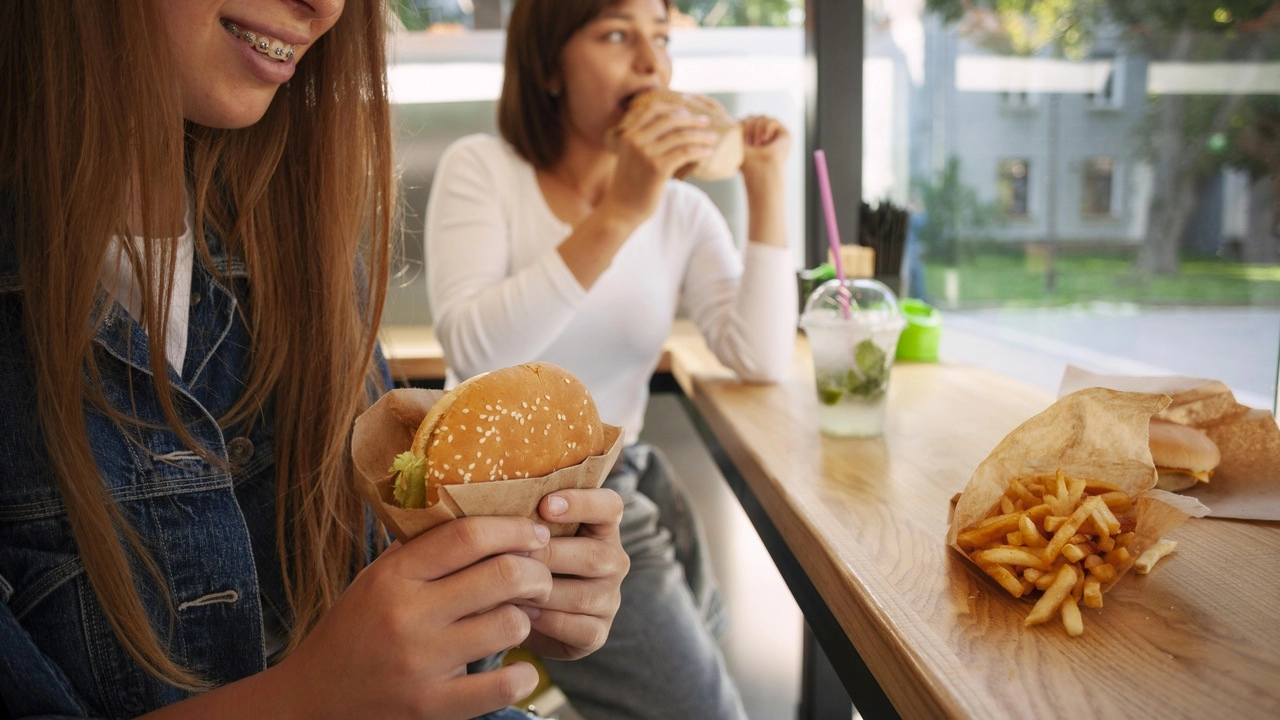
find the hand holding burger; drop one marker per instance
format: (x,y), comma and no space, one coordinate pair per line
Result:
(726,152)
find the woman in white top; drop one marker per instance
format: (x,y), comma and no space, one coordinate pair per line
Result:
(547,245)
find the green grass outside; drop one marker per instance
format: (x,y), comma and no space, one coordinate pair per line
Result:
(1011,281)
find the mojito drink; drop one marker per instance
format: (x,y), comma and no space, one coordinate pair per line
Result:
(853,344)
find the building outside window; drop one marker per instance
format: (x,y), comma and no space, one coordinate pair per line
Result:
(1136,198)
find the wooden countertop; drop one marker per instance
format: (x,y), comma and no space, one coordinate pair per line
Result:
(866,521)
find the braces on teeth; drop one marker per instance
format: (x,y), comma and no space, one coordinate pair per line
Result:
(273,49)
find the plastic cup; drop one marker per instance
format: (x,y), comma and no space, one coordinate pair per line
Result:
(853,354)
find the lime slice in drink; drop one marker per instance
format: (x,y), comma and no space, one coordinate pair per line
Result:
(829,395)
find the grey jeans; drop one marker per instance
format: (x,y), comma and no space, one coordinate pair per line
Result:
(661,660)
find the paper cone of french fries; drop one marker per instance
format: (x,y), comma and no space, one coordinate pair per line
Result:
(387,428)
(1092,434)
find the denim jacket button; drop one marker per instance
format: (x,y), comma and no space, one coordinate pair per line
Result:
(239,450)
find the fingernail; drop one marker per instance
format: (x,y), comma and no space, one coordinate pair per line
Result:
(533,612)
(557,505)
(541,532)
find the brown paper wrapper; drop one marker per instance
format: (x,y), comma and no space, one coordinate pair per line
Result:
(386,429)
(1095,433)
(1246,485)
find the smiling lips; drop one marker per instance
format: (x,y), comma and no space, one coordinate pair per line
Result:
(273,49)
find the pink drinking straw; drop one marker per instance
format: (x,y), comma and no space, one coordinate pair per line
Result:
(833,232)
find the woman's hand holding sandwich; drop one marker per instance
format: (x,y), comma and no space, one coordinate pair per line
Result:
(397,643)
(587,571)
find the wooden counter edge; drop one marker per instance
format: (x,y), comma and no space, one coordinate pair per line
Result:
(414,354)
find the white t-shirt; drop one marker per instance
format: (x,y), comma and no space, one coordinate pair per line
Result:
(501,295)
(117,278)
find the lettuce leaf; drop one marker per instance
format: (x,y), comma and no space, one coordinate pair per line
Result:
(410,488)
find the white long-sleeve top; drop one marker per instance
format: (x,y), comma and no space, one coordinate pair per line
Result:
(501,295)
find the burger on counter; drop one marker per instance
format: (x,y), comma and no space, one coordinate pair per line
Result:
(1183,455)
(494,445)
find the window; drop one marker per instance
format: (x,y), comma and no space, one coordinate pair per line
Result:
(1099,173)
(1013,187)
(1017,100)
(1091,192)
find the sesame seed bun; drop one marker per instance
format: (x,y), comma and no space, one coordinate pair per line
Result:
(1183,455)
(725,159)
(518,422)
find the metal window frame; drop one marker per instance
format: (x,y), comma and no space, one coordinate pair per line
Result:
(833,53)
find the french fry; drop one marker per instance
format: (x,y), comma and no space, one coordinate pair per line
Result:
(1117,501)
(1075,490)
(1021,493)
(1031,537)
(1060,485)
(1105,572)
(1092,593)
(1118,557)
(1037,513)
(1046,580)
(1009,555)
(1055,507)
(1112,525)
(988,530)
(1006,578)
(1098,487)
(1048,603)
(1071,619)
(1074,553)
(1152,555)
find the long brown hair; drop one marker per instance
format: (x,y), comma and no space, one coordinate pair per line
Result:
(528,114)
(91,123)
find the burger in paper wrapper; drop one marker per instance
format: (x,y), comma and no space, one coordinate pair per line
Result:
(494,445)
(1246,480)
(726,154)
(1082,456)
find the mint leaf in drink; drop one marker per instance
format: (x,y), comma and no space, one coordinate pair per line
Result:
(870,359)
(870,376)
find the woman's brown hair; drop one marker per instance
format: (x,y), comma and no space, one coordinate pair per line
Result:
(92,126)
(528,114)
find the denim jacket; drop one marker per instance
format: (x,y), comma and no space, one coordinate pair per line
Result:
(210,529)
